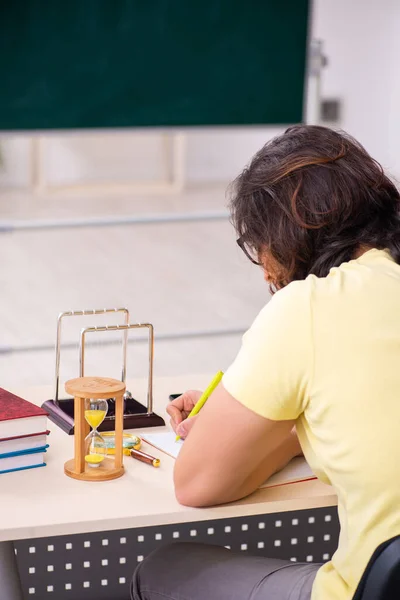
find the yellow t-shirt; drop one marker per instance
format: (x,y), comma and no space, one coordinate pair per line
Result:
(326,352)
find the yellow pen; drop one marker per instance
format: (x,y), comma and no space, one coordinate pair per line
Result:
(204,397)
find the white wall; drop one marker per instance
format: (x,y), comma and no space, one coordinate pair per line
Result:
(362,42)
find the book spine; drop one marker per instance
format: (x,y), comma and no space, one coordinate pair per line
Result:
(22,468)
(22,452)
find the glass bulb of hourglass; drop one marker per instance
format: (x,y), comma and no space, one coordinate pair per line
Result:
(95,449)
(95,446)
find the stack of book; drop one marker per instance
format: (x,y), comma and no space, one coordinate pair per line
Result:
(23,434)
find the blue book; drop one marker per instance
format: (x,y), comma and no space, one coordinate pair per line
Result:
(22,452)
(22,468)
(22,460)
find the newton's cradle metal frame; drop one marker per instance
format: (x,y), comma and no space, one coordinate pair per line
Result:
(61,411)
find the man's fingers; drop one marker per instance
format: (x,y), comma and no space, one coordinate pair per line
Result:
(175,413)
(185,427)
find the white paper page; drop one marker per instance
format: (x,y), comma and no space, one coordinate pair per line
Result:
(296,470)
(164,441)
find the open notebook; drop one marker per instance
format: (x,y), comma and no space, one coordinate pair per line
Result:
(297,470)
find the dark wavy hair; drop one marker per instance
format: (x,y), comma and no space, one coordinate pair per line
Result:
(312,198)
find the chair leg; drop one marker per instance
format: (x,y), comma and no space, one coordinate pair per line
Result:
(10,584)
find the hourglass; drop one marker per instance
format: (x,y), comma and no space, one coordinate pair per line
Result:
(95,446)
(90,462)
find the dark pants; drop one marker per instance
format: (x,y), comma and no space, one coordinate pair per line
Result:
(204,572)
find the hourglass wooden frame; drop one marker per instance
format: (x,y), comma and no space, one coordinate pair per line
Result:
(95,388)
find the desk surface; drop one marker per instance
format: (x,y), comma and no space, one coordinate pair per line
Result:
(45,502)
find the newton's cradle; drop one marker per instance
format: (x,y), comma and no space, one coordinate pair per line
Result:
(100,403)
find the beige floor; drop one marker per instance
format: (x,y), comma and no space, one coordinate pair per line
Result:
(185,278)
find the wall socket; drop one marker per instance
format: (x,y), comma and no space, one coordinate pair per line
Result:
(331,110)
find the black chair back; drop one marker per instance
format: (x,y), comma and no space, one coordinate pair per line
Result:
(381,578)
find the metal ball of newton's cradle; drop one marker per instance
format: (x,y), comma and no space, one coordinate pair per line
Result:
(127,396)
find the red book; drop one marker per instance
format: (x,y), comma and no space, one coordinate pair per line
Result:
(19,417)
(23,437)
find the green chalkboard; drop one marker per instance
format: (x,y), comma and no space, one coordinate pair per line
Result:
(133,63)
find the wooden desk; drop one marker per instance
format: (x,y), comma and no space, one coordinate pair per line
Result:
(44,502)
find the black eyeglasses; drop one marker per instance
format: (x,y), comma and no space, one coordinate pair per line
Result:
(250,252)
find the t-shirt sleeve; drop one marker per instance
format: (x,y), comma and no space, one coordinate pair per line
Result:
(272,373)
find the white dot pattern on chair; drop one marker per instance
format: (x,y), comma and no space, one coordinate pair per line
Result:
(81,568)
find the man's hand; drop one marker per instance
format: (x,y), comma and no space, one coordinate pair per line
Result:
(179,410)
